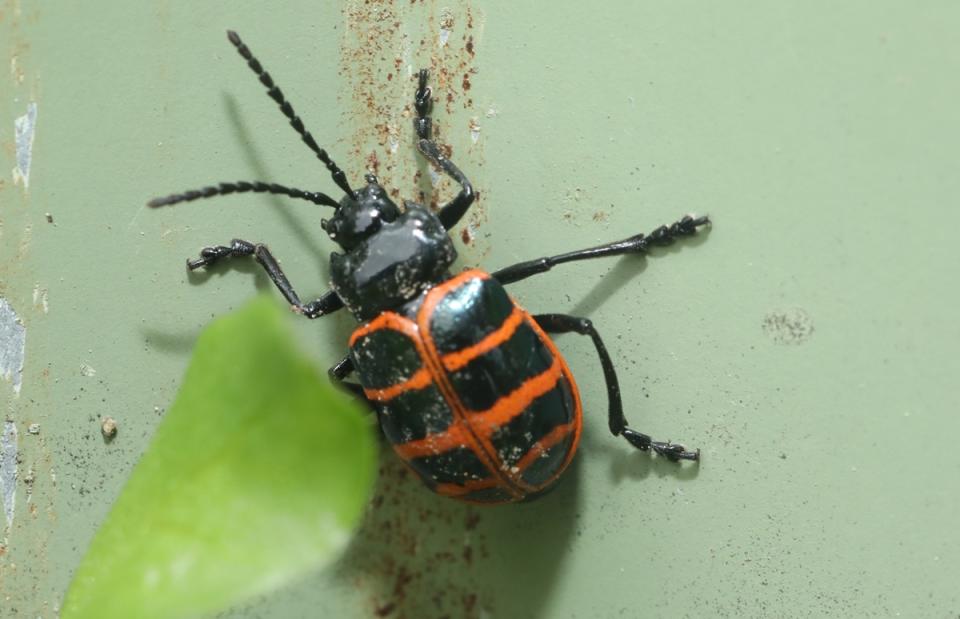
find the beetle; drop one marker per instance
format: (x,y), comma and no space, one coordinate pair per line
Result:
(468,386)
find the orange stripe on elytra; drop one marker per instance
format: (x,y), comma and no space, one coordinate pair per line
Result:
(577,421)
(513,404)
(419,380)
(386,320)
(481,448)
(456,360)
(434,444)
(466,487)
(483,424)
(544,444)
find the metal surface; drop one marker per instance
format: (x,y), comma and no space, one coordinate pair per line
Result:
(807,344)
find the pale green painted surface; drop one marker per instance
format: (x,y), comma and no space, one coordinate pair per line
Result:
(822,140)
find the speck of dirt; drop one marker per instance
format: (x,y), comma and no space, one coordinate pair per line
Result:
(791,326)
(417,554)
(108,427)
(465,236)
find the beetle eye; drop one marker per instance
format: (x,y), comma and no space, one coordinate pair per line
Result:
(323,224)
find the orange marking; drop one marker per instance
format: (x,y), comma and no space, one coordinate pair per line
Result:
(514,403)
(544,444)
(435,444)
(482,425)
(386,320)
(480,447)
(468,487)
(472,430)
(577,421)
(456,360)
(419,380)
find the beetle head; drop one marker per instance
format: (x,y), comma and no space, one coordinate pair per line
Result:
(360,216)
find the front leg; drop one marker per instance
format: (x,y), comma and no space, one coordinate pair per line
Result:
(326,304)
(454,210)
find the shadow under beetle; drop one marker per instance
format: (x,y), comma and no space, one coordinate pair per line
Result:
(468,387)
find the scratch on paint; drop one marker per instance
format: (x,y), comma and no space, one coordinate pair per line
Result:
(13,340)
(23,129)
(8,469)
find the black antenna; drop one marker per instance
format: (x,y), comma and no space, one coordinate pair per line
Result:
(277,95)
(240,187)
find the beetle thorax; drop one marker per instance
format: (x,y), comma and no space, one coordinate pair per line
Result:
(394,265)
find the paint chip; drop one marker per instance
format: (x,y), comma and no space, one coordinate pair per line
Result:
(40,298)
(87,370)
(474,130)
(23,130)
(8,469)
(13,343)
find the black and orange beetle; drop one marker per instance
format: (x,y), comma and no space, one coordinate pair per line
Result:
(468,387)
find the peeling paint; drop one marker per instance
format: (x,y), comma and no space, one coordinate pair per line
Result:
(87,370)
(40,298)
(446,25)
(8,469)
(13,343)
(474,130)
(23,129)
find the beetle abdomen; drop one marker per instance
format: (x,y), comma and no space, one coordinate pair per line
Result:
(473,395)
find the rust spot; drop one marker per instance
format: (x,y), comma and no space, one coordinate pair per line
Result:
(466,82)
(465,236)
(373,163)
(473,519)
(469,45)
(469,601)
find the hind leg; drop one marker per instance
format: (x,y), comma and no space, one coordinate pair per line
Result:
(562,323)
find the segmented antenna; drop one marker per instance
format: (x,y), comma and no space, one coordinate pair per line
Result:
(277,95)
(241,187)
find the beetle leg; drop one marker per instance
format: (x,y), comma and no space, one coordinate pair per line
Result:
(340,371)
(639,244)
(454,210)
(562,323)
(326,304)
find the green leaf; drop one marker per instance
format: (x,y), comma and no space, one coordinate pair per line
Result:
(258,474)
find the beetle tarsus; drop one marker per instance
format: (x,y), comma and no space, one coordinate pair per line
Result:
(672,451)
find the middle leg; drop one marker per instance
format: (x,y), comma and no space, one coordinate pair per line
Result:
(664,235)
(562,323)
(338,374)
